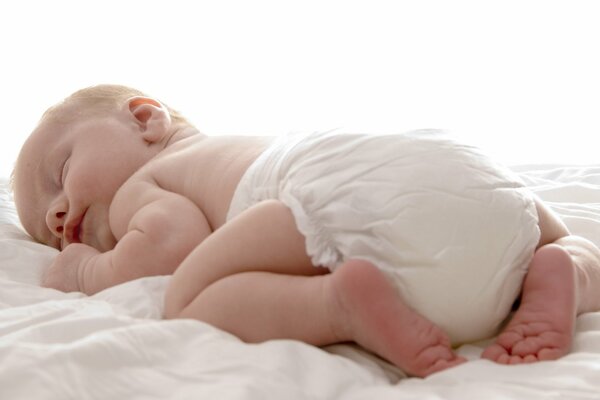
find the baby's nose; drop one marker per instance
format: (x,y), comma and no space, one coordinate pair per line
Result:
(55,222)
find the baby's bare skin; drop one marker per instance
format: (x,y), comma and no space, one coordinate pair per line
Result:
(157,204)
(132,213)
(203,169)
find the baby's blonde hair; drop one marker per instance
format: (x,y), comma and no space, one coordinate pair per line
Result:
(99,99)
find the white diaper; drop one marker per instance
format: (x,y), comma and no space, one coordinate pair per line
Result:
(454,230)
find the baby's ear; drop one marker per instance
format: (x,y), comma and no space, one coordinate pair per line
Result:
(152,117)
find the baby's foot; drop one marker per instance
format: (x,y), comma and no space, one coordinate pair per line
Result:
(374,315)
(542,327)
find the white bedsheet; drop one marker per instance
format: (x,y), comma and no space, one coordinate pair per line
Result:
(113,345)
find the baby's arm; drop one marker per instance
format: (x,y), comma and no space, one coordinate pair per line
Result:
(159,236)
(262,238)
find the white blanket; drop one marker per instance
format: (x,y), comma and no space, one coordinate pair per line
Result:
(113,345)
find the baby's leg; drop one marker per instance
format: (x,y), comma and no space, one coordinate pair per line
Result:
(562,282)
(250,278)
(355,303)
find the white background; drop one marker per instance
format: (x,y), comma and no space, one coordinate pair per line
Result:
(519,78)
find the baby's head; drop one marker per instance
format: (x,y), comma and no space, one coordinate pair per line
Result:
(100,100)
(82,150)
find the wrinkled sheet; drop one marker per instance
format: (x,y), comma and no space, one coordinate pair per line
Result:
(113,345)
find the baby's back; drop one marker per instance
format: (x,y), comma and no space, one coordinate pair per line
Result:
(205,169)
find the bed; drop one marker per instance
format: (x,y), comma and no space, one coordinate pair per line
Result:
(114,345)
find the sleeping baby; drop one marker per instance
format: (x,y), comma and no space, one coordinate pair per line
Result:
(405,244)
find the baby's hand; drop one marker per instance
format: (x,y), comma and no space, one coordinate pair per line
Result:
(63,274)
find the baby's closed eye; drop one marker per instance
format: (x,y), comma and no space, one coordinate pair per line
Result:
(63,171)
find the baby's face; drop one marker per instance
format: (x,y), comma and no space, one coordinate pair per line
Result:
(68,174)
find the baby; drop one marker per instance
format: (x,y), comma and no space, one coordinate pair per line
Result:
(322,238)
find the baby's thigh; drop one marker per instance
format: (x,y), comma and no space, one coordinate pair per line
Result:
(551,226)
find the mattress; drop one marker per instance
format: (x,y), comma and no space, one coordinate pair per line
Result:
(114,345)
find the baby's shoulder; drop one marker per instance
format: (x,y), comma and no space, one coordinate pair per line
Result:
(133,195)
(173,168)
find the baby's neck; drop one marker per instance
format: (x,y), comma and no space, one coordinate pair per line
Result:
(179,132)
